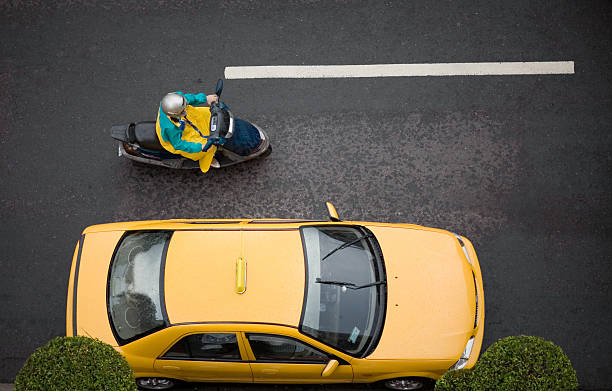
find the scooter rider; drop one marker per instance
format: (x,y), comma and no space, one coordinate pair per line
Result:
(183,129)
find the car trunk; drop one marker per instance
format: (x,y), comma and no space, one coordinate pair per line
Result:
(90,307)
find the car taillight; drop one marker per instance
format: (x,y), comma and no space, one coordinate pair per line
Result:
(467,256)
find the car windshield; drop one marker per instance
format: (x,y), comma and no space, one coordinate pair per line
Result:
(134,300)
(345,288)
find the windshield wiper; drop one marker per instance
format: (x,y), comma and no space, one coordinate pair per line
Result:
(349,285)
(345,245)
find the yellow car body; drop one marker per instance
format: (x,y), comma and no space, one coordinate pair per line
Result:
(237,290)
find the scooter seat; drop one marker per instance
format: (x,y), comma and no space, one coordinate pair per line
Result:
(146,136)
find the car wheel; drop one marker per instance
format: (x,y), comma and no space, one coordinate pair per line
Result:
(405,383)
(154,383)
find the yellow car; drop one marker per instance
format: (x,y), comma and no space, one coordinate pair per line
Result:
(279,301)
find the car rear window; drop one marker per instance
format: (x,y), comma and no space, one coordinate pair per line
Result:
(134,299)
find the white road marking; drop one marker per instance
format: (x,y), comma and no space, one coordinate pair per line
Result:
(400,70)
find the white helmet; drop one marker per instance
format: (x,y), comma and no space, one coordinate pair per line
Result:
(173,104)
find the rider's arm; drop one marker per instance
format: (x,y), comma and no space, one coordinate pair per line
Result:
(194,99)
(174,136)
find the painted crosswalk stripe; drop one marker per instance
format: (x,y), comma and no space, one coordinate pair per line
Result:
(399,70)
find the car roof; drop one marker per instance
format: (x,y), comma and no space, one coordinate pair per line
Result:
(194,224)
(200,281)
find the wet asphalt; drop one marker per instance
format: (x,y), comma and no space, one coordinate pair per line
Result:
(521,165)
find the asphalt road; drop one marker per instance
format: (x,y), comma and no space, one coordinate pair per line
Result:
(521,165)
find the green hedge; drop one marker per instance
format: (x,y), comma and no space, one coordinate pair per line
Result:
(460,380)
(75,363)
(520,363)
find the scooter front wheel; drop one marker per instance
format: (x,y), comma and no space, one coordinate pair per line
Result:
(267,153)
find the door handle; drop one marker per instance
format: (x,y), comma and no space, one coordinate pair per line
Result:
(269,371)
(171,367)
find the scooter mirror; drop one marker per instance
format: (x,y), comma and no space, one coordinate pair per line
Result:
(219,87)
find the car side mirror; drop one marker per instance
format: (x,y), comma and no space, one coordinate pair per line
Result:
(330,368)
(331,209)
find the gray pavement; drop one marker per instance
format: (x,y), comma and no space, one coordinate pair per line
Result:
(519,164)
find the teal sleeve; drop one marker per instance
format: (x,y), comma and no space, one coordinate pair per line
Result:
(179,144)
(194,99)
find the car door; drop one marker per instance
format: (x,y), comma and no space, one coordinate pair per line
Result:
(283,359)
(206,356)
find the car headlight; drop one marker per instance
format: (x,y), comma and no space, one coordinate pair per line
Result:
(465,356)
(464,249)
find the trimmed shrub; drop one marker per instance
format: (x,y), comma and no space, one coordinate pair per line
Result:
(75,363)
(459,380)
(524,363)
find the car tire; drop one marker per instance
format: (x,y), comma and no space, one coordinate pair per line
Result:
(407,383)
(154,383)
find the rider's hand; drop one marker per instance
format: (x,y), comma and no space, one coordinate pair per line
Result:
(211,98)
(209,143)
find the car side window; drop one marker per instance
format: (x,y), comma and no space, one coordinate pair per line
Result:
(209,346)
(279,348)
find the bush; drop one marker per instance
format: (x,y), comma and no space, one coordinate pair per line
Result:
(75,363)
(459,380)
(524,363)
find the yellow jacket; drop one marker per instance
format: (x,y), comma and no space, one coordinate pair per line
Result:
(183,139)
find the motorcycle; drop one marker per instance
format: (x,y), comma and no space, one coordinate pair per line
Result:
(236,140)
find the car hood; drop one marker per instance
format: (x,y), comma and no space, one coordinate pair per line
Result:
(430,295)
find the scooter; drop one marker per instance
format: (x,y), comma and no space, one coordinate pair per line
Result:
(237,140)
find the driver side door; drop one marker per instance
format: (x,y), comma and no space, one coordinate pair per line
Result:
(282,359)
